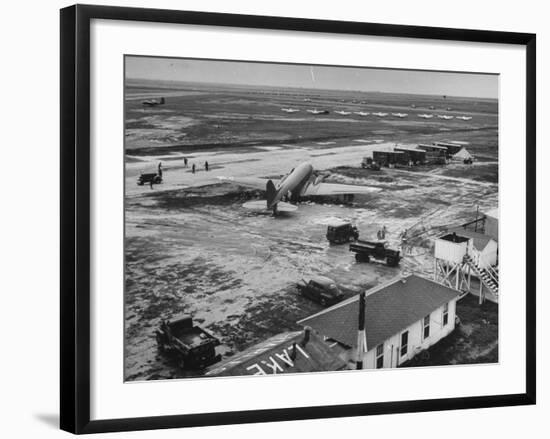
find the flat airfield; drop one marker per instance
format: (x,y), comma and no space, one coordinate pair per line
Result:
(192,248)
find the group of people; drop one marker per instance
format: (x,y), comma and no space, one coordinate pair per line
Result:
(185,165)
(193,166)
(381,234)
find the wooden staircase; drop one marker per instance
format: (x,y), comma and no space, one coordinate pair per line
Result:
(487,275)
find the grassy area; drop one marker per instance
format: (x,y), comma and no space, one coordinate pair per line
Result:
(475,340)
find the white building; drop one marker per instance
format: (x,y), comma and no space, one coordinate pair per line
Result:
(491,224)
(486,254)
(402,317)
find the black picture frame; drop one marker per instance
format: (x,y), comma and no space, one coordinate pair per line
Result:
(75,217)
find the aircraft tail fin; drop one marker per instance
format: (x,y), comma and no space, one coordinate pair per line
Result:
(270,193)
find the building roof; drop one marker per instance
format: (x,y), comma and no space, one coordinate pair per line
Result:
(389,309)
(492,213)
(480,240)
(275,355)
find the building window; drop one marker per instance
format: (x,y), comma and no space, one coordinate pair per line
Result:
(380,356)
(426,325)
(404,343)
(445,314)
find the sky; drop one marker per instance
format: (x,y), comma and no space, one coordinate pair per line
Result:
(305,76)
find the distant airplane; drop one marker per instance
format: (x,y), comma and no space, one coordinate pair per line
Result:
(300,182)
(380,114)
(426,116)
(153,102)
(315,111)
(401,115)
(290,110)
(444,116)
(343,113)
(464,117)
(362,113)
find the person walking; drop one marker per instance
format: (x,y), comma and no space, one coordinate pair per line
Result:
(160,169)
(193,168)
(185,162)
(206,166)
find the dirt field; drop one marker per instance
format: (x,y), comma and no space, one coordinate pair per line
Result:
(192,248)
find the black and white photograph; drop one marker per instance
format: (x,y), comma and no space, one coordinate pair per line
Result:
(287,218)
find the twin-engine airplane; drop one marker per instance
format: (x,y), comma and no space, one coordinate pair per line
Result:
(153,102)
(290,110)
(380,114)
(464,117)
(401,115)
(426,116)
(315,111)
(362,113)
(300,182)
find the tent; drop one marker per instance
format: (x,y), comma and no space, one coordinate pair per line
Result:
(463,154)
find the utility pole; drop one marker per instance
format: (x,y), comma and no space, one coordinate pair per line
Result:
(361,336)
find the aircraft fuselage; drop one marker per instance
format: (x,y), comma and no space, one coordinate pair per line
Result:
(294,184)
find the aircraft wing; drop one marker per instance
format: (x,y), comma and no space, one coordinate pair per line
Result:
(253,182)
(337,189)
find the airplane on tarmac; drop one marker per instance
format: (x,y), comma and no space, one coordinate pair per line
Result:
(315,111)
(362,113)
(426,116)
(153,102)
(300,182)
(343,113)
(464,117)
(401,115)
(290,110)
(444,116)
(380,114)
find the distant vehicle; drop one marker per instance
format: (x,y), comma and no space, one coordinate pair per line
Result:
(146,178)
(320,289)
(449,109)
(343,113)
(290,110)
(341,232)
(426,116)
(369,163)
(432,107)
(380,114)
(464,117)
(153,102)
(193,347)
(376,250)
(401,115)
(413,105)
(444,116)
(315,111)
(362,113)
(307,100)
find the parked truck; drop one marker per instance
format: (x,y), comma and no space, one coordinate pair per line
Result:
(341,232)
(192,346)
(375,250)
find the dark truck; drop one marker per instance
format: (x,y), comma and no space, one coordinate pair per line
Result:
(147,178)
(191,345)
(377,250)
(340,232)
(321,289)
